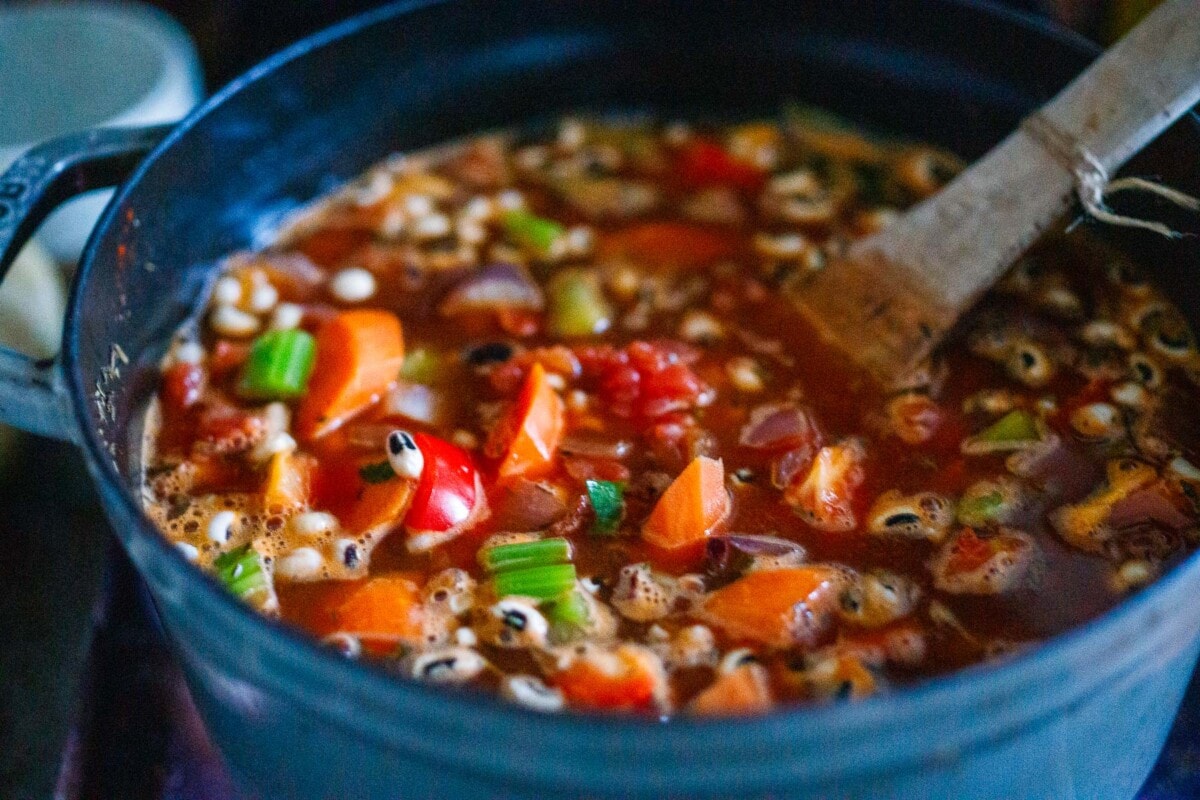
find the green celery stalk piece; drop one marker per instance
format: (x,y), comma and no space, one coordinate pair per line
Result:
(608,502)
(522,555)
(548,582)
(577,304)
(980,510)
(1015,426)
(531,232)
(568,616)
(241,571)
(279,365)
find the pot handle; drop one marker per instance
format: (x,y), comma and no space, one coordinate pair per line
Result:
(33,395)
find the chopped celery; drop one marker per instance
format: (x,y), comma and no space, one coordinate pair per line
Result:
(1013,431)
(548,582)
(608,503)
(241,571)
(522,555)
(279,365)
(980,509)
(531,232)
(420,366)
(577,304)
(568,616)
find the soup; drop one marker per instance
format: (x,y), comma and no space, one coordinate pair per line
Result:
(537,414)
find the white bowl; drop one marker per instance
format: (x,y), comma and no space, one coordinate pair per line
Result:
(71,66)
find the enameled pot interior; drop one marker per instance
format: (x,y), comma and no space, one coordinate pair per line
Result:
(301,123)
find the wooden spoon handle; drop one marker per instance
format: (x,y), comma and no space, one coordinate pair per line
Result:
(903,288)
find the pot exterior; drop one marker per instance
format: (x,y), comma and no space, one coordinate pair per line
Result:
(1081,717)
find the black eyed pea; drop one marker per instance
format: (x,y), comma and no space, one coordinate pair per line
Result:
(515,622)
(344,643)
(531,692)
(1029,363)
(447,665)
(452,590)
(878,598)
(1098,421)
(924,515)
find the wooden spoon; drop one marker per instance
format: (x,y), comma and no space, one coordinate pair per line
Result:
(892,298)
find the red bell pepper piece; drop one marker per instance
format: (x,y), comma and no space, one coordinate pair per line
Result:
(449,497)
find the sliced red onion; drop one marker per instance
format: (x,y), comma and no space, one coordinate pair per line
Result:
(787,466)
(1149,505)
(776,426)
(496,286)
(413,401)
(588,446)
(726,557)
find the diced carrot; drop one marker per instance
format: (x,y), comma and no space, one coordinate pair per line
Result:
(744,690)
(380,506)
(529,436)
(629,678)
(779,607)
(691,508)
(359,355)
(289,482)
(382,611)
(669,244)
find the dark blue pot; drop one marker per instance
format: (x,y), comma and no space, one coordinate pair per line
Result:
(1082,716)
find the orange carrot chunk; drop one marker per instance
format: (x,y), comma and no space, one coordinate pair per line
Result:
(744,690)
(382,611)
(289,482)
(669,244)
(530,434)
(359,355)
(778,607)
(380,506)
(691,508)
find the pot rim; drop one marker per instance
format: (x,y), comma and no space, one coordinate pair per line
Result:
(291,646)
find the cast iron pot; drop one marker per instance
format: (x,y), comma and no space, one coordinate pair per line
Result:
(1082,716)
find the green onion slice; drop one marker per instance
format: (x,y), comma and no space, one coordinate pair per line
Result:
(241,572)
(377,473)
(531,232)
(608,502)
(548,582)
(522,555)
(279,365)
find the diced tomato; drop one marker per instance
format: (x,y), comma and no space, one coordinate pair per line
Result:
(703,162)
(224,428)
(644,380)
(182,385)
(227,356)
(629,679)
